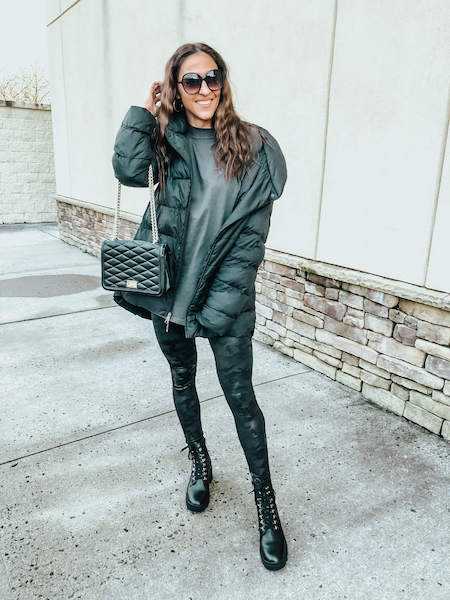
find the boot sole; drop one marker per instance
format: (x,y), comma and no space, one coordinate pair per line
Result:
(273,567)
(196,508)
(277,566)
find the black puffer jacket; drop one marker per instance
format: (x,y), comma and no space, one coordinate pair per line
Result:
(224,298)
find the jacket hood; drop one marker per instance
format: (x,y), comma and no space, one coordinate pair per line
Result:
(276,162)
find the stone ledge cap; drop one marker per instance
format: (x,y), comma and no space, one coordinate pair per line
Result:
(402,289)
(19,104)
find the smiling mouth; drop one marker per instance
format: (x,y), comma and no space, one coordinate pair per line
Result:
(203,102)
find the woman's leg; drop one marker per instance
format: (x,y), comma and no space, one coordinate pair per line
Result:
(181,354)
(234,364)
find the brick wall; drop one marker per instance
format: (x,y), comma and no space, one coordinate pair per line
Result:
(395,351)
(27,175)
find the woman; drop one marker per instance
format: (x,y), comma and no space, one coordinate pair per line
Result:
(218,177)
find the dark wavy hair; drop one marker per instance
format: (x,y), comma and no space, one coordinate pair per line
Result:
(234,145)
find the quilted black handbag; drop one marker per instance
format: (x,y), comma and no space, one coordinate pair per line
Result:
(136,265)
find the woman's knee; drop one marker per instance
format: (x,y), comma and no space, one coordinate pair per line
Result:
(183,375)
(242,400)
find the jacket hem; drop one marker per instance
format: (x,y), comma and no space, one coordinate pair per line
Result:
(137,310)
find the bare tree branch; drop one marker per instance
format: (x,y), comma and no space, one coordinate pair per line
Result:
(29,86)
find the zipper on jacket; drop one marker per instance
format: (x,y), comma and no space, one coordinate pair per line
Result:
(205,266)
(200,279)
(169,314)
(167,319)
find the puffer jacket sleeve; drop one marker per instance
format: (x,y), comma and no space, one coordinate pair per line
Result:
(235,278)
(133,149)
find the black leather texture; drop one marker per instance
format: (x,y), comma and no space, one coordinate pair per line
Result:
(135,266)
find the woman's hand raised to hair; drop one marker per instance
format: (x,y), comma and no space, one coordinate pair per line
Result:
(153,97)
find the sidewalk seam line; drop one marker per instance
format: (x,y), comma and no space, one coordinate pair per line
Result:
(167,412)
(73,312)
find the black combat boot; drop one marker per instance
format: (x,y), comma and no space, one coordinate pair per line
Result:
(197,492)
(272,543)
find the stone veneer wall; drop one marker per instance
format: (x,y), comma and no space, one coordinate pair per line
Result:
(27,172)
(86,226)
(394,350)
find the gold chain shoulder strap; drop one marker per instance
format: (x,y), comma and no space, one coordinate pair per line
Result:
(155,234)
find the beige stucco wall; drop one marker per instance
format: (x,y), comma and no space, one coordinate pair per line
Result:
(356,92)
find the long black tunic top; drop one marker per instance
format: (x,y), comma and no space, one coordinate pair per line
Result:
(212,200)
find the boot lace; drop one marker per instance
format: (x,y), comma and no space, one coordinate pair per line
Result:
(267,508)
(199,464)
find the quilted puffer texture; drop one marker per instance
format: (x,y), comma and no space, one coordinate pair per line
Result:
(224,299)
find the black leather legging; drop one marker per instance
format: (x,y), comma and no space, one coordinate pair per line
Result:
(234,363)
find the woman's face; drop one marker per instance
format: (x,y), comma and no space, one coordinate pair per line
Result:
(198,112)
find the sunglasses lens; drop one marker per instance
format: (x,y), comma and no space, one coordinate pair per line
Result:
(214,81)
(191,84)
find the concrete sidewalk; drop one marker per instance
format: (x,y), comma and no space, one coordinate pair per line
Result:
(92,480)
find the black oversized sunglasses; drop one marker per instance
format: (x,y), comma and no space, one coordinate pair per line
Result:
(192,82)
